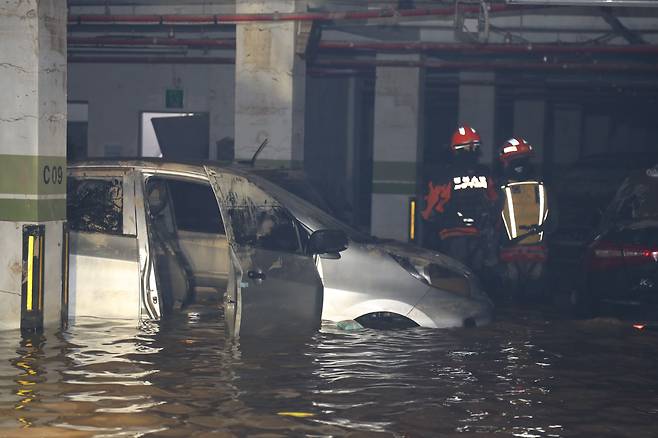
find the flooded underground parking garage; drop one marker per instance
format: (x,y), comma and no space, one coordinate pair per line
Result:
(525,376)
(405,218)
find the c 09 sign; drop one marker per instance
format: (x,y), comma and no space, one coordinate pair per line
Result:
(52,175)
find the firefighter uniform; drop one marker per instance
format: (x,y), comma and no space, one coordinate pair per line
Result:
(524,214)
(460,204)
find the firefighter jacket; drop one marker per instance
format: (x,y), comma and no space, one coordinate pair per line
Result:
(524,211)
(461,200)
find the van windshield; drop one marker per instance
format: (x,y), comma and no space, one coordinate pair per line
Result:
(311,216)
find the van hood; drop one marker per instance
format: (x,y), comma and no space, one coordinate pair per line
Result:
(416,252)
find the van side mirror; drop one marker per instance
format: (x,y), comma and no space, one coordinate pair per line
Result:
(329,242)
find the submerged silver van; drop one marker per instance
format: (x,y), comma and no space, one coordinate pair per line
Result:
(147,235)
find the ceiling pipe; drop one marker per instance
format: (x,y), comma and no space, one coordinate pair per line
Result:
(486,48)
(488,66)
(360,64)
(607,3)
(273,17)
(222,43)
(411,46)
(91,59)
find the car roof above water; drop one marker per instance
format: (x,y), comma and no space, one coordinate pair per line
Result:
(146,163)
(194,166)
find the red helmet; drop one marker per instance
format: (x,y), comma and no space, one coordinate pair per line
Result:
(514,148)
(465,138)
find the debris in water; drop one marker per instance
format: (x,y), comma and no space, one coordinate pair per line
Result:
(349,325)
(296,414)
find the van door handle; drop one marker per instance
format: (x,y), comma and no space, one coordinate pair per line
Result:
(256,275)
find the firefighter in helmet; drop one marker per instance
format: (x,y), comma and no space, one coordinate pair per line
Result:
(525,211)
(461,204)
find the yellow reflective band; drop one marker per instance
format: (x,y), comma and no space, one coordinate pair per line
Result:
(412,220)
(509,236)
(540,189)
(296,414)
(30,258)
(66,269)
(521,183)
(510,209)
(41,263)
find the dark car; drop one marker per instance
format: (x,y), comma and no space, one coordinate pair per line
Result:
(621,263)
(582,192)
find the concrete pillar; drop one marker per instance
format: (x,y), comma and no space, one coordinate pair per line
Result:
(477,107)
(396,148)
(270,85)
(32,156)
(529,123)
(567,133)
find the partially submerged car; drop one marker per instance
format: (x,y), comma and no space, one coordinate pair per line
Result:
(146,235)
(621,264)
(583,190)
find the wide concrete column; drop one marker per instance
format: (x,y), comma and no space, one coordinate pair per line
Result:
(397,143)
(270,85)
(530,123)
(477,107)
(32,159)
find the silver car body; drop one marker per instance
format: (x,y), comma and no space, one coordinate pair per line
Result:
(114,275)
(368,279)
(124,273)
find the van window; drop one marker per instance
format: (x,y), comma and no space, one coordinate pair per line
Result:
(95,205)
(257,219)
(195,207)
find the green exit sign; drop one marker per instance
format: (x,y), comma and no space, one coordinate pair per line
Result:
(174,99)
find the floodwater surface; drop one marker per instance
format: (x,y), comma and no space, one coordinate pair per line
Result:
(528,376)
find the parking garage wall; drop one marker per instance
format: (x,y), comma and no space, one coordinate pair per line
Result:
(118,93)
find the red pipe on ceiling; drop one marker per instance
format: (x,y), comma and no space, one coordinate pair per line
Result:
(414,46)
(294,16)
(366,63)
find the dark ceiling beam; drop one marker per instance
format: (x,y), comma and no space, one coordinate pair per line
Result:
(379,46)
(359,64)
(519,66)
(618,27)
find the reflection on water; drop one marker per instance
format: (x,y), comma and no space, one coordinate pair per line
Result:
(523,377)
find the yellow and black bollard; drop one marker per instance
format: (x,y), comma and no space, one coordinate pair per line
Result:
(34,237)
(65,276)
(412,219)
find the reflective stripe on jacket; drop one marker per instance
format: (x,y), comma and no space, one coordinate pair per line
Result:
(524,207)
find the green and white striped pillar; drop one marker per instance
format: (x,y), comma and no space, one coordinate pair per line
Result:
(397,147)
(32,161)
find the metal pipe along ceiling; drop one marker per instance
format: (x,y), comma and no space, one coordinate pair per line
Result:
(296,16)
(222,43)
